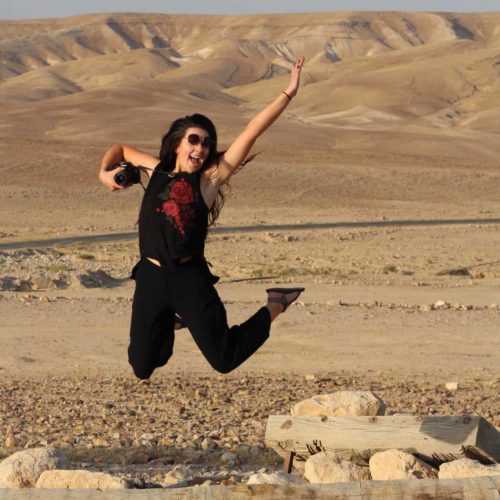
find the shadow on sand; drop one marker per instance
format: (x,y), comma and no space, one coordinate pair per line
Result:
(109,237)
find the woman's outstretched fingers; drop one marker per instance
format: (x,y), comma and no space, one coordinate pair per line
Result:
(299,62)
(293,86)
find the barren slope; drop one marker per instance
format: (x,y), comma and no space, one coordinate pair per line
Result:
(364,70)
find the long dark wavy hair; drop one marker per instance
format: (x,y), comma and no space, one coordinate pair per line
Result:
(173,138)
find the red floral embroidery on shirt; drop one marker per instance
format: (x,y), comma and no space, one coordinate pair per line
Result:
(181,192)
(177,196)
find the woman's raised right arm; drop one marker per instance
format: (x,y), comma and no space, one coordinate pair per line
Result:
(118,153)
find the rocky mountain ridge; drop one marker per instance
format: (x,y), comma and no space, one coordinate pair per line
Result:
(52,58)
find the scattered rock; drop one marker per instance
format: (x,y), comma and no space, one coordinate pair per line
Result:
(70,411)
(274,478)
(327,467)
(229,458)
(179,474)
(22,469)
(209,444)
(41,283)
(11,284)
(98,279)
(341,403)
(100,443)
(452,386)
(397,464)
(10,439)
(79,479)
(465,467)
(440,304)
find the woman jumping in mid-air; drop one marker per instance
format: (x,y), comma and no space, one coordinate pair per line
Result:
(172,278)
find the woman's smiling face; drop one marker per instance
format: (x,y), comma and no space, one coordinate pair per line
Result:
(190,157)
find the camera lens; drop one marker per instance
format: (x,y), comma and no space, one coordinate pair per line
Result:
(129,175)
(121,178)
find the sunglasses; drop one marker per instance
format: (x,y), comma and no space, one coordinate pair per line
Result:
(195,139)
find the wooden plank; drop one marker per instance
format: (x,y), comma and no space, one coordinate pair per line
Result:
(478,488)
(426,435)
(438,489)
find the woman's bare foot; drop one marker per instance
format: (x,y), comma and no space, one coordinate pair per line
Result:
(278,299)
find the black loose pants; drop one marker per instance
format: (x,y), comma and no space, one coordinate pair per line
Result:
(188,290)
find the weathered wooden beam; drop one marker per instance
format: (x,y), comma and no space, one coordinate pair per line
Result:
(479,488)
(426,435)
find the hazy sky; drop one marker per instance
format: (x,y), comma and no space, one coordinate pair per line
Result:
(23,9)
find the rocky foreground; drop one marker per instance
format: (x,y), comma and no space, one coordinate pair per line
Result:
(416,325)
(196,429)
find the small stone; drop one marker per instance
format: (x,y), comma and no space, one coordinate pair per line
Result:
(341,403)
(275,478)
(228,458)
(230,481)
(440,304)
(209,444)
(396,464)
(100,443)
(465,467)
(451,386)
(333,303)
(327,467)
(10,440)
(79,479)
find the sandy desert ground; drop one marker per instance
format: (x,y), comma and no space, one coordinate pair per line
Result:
(378,190)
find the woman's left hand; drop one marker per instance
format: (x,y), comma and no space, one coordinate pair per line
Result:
(293,86)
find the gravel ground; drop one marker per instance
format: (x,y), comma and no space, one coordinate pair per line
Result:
(196,428)
(193,427)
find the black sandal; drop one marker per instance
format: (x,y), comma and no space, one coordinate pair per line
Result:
(282,300)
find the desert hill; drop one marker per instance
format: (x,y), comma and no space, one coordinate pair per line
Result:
(364,70)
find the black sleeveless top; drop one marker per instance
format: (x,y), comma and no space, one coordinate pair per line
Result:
(173,220)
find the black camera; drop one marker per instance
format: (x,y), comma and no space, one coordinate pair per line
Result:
(129,175)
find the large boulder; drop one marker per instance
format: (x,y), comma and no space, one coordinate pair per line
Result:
(465,467)
(396,464)
(274,478)
(79,479)
(341,404)
(327,467)
(22,469)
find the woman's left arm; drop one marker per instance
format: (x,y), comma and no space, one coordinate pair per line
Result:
(240,148)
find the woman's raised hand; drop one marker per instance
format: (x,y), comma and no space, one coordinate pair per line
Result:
(293,86)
